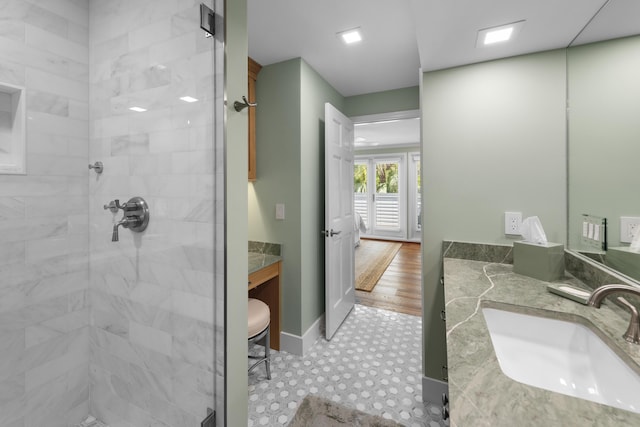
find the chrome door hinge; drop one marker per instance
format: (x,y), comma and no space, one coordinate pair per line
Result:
(210,420)
(207,20)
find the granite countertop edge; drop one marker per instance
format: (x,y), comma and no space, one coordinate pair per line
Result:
(258,261)
(479,392)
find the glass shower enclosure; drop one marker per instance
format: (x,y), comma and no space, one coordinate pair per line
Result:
(98,327)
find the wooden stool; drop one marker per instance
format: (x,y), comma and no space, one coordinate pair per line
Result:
(259,318)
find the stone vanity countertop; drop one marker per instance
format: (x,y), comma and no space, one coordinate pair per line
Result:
(258,261)
(480,394)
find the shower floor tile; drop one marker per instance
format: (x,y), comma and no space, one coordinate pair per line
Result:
(373,364)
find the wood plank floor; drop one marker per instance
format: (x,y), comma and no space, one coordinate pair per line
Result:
(399,289)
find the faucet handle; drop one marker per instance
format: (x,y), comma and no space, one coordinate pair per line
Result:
(632,334)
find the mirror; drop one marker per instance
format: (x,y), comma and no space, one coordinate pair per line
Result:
(603,119)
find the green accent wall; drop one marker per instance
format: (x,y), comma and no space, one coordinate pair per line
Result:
(315,92)
(290,170)
(383,102)
(236,154)
(493,141)
(278,132)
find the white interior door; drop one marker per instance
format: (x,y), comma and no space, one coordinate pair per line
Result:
(338,232)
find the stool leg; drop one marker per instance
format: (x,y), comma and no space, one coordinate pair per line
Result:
(267,350)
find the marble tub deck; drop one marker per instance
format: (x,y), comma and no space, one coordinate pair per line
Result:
(480,394)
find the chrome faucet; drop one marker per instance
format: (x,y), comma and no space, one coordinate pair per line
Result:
(125,222)
(632,334)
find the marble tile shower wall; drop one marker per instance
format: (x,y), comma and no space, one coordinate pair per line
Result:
(44,312)
(152,295)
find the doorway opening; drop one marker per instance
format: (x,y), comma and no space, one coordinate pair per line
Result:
(387,206)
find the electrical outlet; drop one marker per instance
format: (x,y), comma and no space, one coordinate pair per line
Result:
(512,223)
(629,226)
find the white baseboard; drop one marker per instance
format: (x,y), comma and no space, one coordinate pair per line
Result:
(294,344)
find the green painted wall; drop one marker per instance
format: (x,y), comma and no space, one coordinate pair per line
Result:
(315,92)
(382,102)
(290,170)
(493,140)
(278,130)
(604,134)
(236,215)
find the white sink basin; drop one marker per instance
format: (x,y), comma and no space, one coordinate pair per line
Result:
(561,356)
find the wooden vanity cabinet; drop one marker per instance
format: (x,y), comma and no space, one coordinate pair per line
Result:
(254,69)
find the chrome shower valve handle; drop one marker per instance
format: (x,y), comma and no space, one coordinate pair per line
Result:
(135,218)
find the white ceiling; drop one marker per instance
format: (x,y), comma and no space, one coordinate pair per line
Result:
(389,133)
(402,36)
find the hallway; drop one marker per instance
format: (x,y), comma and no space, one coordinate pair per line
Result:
(373,364)
(399,288)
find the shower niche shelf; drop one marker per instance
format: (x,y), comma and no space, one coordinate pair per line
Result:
(12,129)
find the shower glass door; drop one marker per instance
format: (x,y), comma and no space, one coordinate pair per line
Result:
(154,78)
(125,328)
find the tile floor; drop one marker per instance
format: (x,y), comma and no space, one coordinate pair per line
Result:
(373,364)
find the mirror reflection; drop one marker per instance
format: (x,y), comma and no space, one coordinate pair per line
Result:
(604,140)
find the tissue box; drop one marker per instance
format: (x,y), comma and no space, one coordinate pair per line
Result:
(542,262)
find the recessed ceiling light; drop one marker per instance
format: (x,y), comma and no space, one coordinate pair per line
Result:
(500,34)
(351,36)
(138,109)
(189,99)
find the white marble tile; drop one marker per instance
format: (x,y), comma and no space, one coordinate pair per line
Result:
(46,20)
(11,390)
(14,30)
(16,52)
(192,306)
(73,11)
(62,85)
(169,142)
(78,33)
(43,143)
(56,165)
(59,125)
(78,110)
(12,207)
(44,102)
(17,230)
(19,319)
(59,45)
(149,34)
(53,404)
(11,253)
(149,78)
(54,286)
(50,371)
(48,206)
(175,48)
(130,145)
(12,73)
(192,162)
(151,338)
(56,327)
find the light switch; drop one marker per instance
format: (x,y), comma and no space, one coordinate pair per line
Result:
(279,211)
